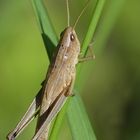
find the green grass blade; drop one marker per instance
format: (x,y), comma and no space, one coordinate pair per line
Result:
(47,29)
(79,123)
(93,24)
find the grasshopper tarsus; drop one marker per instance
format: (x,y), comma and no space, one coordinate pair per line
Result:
(11,137)
(87,58)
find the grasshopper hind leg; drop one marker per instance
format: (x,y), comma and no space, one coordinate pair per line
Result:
(27,118)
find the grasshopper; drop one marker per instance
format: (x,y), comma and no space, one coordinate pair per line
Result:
(57,86)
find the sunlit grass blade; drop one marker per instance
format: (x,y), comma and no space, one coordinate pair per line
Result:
(97,11)
(47,31)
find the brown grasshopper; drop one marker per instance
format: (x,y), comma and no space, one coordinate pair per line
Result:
(57,86)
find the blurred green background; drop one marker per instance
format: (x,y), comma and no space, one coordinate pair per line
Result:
(110,86)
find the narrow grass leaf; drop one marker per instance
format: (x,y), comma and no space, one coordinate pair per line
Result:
(97,11)
(47,31)
(79,123)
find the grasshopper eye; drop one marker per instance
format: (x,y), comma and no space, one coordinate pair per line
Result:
(72,37)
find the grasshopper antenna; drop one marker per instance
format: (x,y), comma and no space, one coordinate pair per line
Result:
(68,12)
(81,14)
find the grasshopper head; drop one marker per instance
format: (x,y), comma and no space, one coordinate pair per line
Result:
(68,38)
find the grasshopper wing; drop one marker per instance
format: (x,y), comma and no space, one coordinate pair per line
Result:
(50,114)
